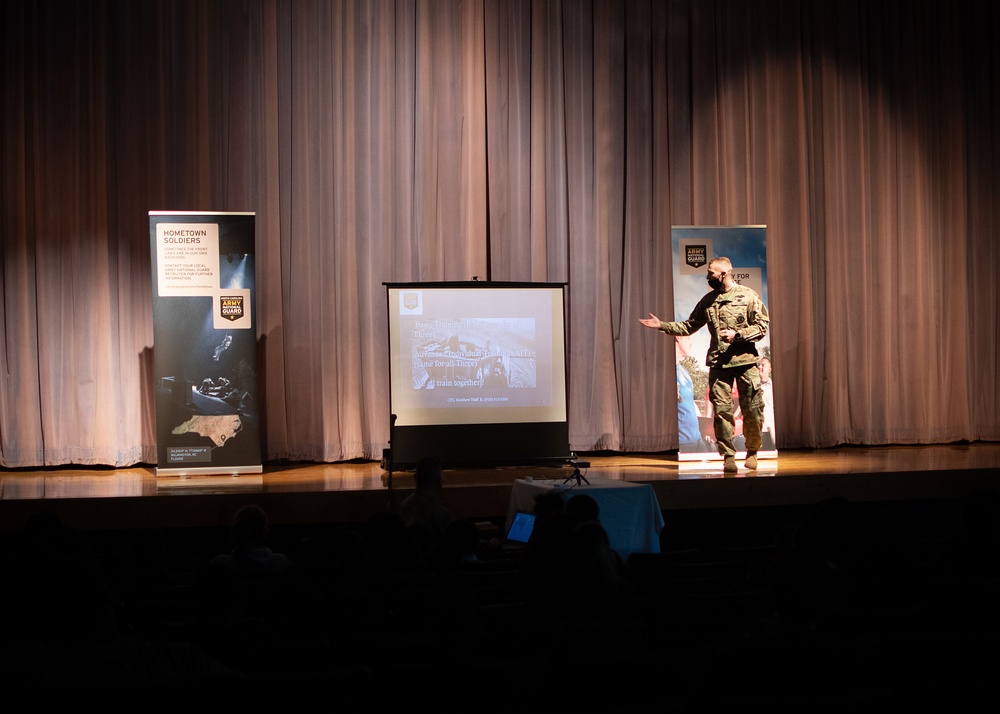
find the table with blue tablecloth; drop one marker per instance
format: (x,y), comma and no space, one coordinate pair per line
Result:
(629,511)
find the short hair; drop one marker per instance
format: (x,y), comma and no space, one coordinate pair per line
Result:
(584,507)
(549,502)
(249,526)
(722,260)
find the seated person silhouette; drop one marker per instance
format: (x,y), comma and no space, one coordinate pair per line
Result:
(422,511)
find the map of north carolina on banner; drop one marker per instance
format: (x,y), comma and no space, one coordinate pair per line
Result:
(205,347)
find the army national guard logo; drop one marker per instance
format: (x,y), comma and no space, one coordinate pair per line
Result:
(231,307)
(696,256)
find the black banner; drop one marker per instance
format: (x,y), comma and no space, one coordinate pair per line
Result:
(205,344)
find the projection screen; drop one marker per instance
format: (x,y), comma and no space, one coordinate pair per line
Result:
(477,372)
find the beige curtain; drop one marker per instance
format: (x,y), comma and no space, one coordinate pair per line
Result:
(512,140)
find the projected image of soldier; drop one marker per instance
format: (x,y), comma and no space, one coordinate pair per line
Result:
(496,374)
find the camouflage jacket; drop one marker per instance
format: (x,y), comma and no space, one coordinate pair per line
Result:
(740,309)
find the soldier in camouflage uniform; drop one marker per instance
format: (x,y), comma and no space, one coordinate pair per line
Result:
(736,319)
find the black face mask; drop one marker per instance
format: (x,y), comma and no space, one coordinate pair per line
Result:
(716,284)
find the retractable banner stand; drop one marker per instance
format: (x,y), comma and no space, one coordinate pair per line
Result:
(694,247)
(205,345)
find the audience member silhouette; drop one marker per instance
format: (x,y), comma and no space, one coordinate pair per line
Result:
(598,575)
(245,594)
(460,546)
(422,511)
(336,560)
(586,510)
(801,578)
(547,503)
(250,554)
(546,563)
(584,507)
(394,550)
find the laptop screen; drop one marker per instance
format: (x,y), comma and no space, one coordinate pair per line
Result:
(520,527)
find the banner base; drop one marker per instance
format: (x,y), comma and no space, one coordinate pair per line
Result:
(209,471)
(252,483)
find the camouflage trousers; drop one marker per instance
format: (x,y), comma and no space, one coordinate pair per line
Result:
(751,401)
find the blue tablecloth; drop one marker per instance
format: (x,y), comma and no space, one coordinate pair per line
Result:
(629,512)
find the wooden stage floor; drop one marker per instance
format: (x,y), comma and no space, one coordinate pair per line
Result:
(350,492)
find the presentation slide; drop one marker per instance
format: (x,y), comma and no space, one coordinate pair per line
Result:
(476,355)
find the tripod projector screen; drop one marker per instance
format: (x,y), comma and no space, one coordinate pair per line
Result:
(477,372)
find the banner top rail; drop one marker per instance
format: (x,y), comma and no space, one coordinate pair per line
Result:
(202,213)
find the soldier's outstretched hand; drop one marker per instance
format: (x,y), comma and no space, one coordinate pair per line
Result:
(651,321)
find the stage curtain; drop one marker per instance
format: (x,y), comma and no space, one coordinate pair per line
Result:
(392,141)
